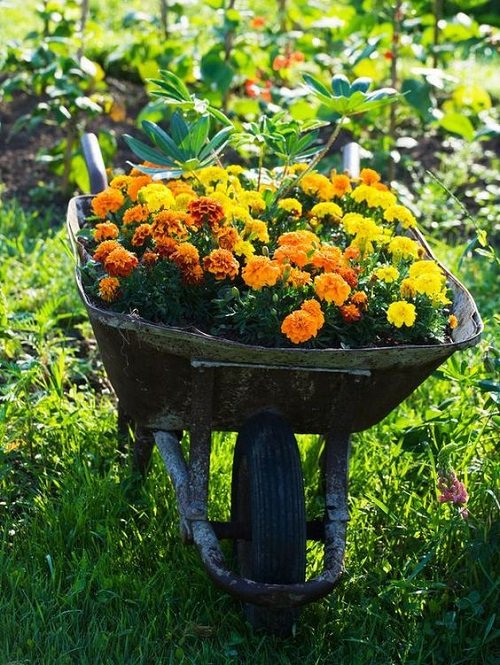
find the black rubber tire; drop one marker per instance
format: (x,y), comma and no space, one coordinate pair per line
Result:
(268,494)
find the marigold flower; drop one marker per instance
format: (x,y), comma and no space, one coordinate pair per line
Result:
(452,321)
(331,287)
(297,278)
(156,196)
(297,56)
(178,187)
(292,206)
(401,313)
(349,275)
(166,246)
(108,288)
(350,313)
(185,255)
(110,200)
(407,288)
(373,196)
(137,184)
(222,264)
(120,262)
(327,210)
(304,323)
(424,267)
(105,231)
(429,284)
(387,274)
(206,210)
(104,249)
(369,176)
(280,62)
(150,258)
(292,254)
(341,184)
(120,182)
(192,274)
(327,257)
(301,238)
(399,213)
(136,215)
(244,248)
(253,200)
(142,232)
(402,247)
(227,237)
(352,253)
(352,221)
(316,184)
(260,271)
(170,223)
(257,22)
(257,230)
(360,299)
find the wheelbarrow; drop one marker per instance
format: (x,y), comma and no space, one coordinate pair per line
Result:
(170,379)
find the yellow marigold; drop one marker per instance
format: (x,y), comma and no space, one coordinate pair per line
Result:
(104,249)
(105,231)
(292,206)
(304,323)
(401,313)
(244,248)
(452,321)
(403,247)
(253,200)
(430,284)
(211,174)
(369,176)
(373,197)
(156,196)
(141,233)
(235,169)
(399,213)
(316,184)
(108,288)
(136,215)
(120,262)
(260,271)
(206,210)
(221,263)
(255,229)
(182,201)
(297,278)
(368,230)
(407,288)
(341,184)
(425,267)
(110,200)
(387,274)
(331,287)
(238,213)
(327,210)
(351,222)
(227,237)
(120,182)
(170,223)
(297,168)
(138,183)
(327,257)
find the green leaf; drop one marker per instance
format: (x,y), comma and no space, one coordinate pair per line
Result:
(146,152)
(417,94)
(198,134)
(215,70)
(458,124)
(362,84)
(316,85)
(178,127)
(341,86)
(163,140)
(217,143)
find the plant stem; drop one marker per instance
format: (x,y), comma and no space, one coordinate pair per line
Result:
(83,22)
(164,17)
(282,14)
(228,47)
(68,153)
(438,12)
(396,22)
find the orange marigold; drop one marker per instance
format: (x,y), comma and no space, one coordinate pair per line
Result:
(166,246)
(169,223)
(304,323)
(105,231)
(120,262)
(341,184)
(180,187)
(110,200)
(352,253)
(142,232)
(313,308)
(328,258)
(260,271)
(291,254)
(369,176)
(349,275)
(206,210)
(108,288)
(138,183)
(360,299)
(227,237)
(104,249)
(452,321)
(221,263)
(332,288)
(136,215)
(150,258)
(301,238)
(193,274)
(350,313)
(297,278)
(185,255)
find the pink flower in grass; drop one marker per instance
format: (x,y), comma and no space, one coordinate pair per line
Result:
(453,491)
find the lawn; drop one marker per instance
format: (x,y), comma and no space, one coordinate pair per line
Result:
(92,568)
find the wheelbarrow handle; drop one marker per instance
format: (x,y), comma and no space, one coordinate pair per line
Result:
(95,163)
(351,159)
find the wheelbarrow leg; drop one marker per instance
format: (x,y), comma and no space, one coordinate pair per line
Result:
(142,451)
(125,427)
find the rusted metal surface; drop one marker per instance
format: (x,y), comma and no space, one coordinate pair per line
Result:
(151,369)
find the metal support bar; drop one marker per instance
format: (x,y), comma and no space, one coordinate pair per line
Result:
(351,159)
(95,163)
(336,513)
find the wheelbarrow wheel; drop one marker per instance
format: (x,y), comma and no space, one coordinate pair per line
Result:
(268,495)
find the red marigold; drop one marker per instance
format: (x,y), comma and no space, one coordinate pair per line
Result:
(350,313)
(206,210)
(150,258)
(120,262)
(221,263)
(142,232)
(349,275)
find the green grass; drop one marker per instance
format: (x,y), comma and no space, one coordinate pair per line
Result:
(93,571)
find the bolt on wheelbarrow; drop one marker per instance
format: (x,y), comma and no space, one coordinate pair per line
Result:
(170,379)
